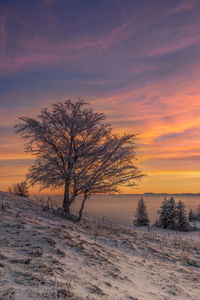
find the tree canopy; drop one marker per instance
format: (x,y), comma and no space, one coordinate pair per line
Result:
(76,148)
(172,215)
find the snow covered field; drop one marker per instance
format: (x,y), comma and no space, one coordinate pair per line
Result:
(176,235)
(45,257)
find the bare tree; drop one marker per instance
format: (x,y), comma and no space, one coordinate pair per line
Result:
(75,148)
(21,189)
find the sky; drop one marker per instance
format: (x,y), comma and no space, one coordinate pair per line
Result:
(136,61)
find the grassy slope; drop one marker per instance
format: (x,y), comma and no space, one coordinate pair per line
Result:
(45,257)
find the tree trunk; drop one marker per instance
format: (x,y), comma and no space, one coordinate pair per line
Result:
(82,207)
(66,201)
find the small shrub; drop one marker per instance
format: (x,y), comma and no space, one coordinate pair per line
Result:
(20,189)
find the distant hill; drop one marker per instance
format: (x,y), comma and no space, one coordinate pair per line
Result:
(176,194)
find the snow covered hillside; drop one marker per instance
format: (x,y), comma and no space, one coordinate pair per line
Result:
(43,256)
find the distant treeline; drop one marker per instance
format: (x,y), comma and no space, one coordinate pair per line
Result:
(171,215)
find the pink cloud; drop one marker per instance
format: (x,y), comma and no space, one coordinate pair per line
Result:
(114,36)
(41,51)
(182,43)
(34,50)
(184,6)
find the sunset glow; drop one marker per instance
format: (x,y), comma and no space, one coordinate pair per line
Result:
(136,61)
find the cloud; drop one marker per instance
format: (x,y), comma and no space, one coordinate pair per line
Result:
(180,44)
(186,136)
(39,49)
(166,116)
(184,6)
(15,162)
